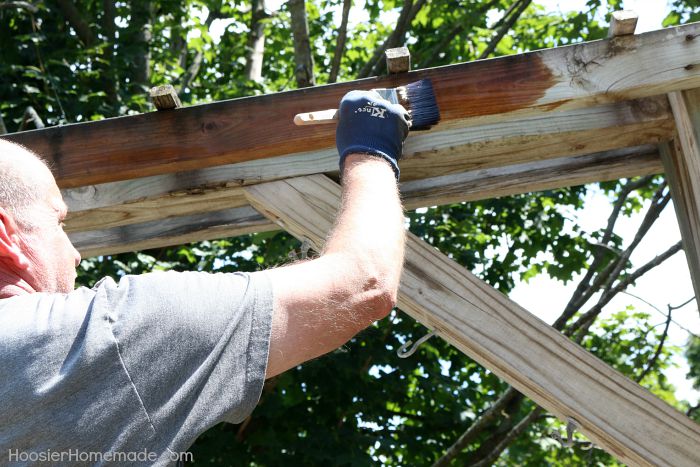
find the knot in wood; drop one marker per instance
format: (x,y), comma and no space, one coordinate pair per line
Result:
(651,106)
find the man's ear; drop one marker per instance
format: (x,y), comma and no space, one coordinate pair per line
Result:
(9,244)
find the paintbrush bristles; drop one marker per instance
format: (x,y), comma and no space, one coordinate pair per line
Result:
(423,105)
(417,98)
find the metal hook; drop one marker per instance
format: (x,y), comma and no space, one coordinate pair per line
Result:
(403,353)
(305,247)
(571,426)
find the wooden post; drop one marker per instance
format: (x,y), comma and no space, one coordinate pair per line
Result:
(614,412)
(398,60)
(622,23)
(165,97)
(681,159)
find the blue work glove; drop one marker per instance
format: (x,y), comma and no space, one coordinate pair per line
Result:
(369,124)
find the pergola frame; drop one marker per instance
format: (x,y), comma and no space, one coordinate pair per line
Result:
(621,107)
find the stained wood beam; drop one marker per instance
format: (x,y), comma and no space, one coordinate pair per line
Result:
(606,127)
(617,414)
(681,160)
(475,93)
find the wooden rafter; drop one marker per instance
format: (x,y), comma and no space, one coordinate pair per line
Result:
(681,160)
(614,412)
(487,91)
(607,127)
(189,216)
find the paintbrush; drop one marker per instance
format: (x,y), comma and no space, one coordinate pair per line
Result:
(417,98)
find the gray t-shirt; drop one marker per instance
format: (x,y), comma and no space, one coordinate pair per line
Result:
(130,373)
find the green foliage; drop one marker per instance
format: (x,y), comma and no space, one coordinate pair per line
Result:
(359,405)
(693,356)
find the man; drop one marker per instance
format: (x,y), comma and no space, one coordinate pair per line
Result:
(146,365)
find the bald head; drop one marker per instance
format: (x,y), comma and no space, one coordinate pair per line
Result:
(24,178)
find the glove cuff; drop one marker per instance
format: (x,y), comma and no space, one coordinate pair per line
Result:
(360,149)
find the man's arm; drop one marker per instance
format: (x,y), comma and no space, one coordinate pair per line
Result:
(320,304)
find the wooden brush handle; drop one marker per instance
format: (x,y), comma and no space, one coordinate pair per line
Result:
(316,118)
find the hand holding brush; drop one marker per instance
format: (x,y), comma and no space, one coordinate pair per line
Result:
(369,124)
(417,98)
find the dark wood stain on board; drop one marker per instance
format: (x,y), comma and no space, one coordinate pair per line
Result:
(261,127)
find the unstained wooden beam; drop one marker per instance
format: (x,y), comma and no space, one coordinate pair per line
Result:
(681,160)
(617,414)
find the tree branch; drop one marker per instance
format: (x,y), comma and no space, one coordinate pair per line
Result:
(142,12)
(81,28)
(457,29)
(475,428)
(340,45)
(304,70)
(399,36)
(30,116)
(21,5)
(500,439)
(587,318)
(109,30)
(652,361)
(255,48)
(582,292)
(408,13)
(193,70)
(3,128)
(509,438)
(505,26)
(659,202)
(606,278)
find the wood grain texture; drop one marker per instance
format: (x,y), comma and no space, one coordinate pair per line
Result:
(398,60)
(169,232)
(531,177)
(453,151)
(466,186)
(116,229)
(468,94)
(681,160)
(614,412)
(538,137)
(622,23)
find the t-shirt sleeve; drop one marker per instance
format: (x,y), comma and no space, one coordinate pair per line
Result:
(194,345)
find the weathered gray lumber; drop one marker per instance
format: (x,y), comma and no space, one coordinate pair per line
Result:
(427,155)
(681,161)
(614,412)
(622,23)
(532,176)
(125,228)
(169,232)
(398,60)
